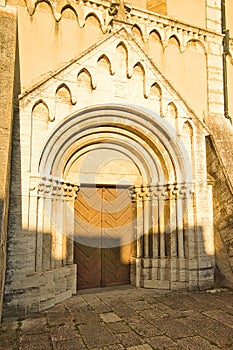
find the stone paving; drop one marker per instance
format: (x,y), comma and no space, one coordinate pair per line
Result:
(127,318)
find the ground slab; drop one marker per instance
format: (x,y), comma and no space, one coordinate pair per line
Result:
(127,318)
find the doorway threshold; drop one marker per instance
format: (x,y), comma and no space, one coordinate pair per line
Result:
(104,289)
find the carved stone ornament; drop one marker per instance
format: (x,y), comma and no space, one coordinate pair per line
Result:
(56,188)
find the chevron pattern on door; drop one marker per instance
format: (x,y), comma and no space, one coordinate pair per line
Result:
(117,236)
(87,245)
(103,227)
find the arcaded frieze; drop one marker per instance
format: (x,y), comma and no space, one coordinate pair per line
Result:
(146,21)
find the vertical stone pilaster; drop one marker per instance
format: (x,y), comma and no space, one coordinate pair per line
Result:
(138,228)
(155,226)
(56,222)
(214,58)
(213,15)
(146,221)
(39,233)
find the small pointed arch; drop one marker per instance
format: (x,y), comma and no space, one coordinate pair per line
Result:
(63,94)
(92,29)
(137,81)
(40,105)
(172,111)
(155,92)
(137,32)
(121,46)
(187,130)
(155,96)
(138,68)
(187,137)
(174,40)
(92,18)
(121,60)
(105,64)
(43,4)
(196,45)
(40,113)
(155,35)
(68,11)
(85,80)
(155,47)
(40,118)
(194,61)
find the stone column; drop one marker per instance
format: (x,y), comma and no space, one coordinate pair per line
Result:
(162,233)
(55,220)
(138,229)
(187,194)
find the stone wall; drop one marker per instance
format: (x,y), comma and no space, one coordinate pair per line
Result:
(223,215)
(7,49)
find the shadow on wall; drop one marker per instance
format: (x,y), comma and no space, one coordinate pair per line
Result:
(223,218)
(36,280)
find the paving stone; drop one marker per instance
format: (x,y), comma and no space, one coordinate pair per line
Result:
(175,329)
(119,327)
(58,318)
(67,331)
(217,333)
(35,342)
(85,317)
(161,342)
(101,308)
(221,316)
(194,343)
(160,327)
(69,344)
(97,335)
(110,317)
(34,325)
(139,305)
(140,347)
(9,341)
(145,329)
(123,310)
(129,339)
(110,347)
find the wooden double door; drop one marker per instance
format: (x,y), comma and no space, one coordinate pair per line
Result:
(103,236)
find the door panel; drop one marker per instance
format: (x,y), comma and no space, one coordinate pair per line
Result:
(103,227)
(87,245)
(117,236)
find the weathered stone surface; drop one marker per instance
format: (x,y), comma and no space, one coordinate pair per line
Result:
(110,317)
(97,336)
(185,325)
(8,53)
(93,78)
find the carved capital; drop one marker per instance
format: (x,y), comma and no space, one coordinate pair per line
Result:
(55,188)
